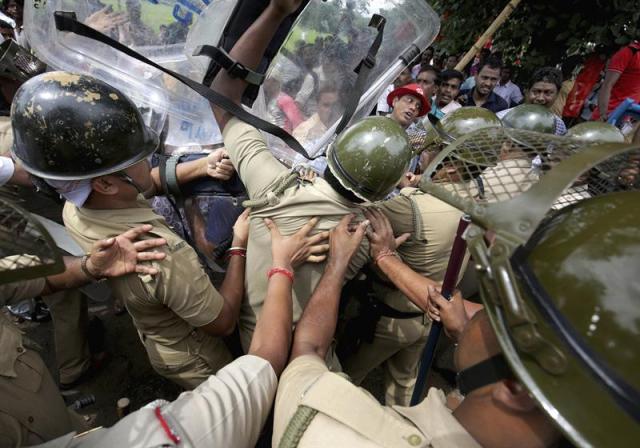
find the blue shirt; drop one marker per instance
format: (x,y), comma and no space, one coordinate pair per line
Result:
(495,103)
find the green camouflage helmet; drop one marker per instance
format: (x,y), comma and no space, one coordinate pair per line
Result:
(596,132)
(456,124)
(530,117)
(73,127)
(370,157)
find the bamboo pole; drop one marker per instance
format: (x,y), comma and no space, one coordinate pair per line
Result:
(502,17)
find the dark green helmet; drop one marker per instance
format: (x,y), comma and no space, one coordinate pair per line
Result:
(456,124)
(530,117)
(579,272)
(370,157)
(72,127)
(596,132)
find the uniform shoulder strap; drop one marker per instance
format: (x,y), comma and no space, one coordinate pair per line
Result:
(335,397)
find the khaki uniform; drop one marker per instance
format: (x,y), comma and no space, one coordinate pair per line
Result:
(398,343)
(31,408)
(260,172)
(167,308)
(339,414)
(228,410)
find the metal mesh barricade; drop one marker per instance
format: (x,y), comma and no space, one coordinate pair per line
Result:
(495,165)
(26,249)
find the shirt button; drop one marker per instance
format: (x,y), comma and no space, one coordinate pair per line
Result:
(414,440)
(20,349)
(30,419)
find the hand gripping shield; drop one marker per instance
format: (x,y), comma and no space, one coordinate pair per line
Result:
(26,249)
(559,278)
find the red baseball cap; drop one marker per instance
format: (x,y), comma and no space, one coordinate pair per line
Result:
(413,90)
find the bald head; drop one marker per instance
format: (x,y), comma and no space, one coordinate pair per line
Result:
(477,343)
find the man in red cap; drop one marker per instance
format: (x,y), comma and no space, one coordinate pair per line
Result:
(408,103)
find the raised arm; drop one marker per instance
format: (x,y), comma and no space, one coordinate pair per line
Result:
(383,246)
(249,50)
(272,337)
(317,325)
(112,257)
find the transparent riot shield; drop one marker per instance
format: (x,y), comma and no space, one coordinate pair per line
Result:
(158,30)
(322,50)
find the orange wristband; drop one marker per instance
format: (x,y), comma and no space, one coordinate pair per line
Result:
(287,273)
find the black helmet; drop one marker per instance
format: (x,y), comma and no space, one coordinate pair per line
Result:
(72,127)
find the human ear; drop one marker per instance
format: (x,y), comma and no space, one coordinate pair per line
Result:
(104,185)
(513,395)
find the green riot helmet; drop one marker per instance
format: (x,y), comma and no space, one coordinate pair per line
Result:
(530,117)
(457,123)
(26,248)
(370,157)
(579,271)
(73,127)
(596,132)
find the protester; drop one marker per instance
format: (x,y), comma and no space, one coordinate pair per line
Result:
(427,79)
(446,93)
(622,80)
(403,79)
(482,95)
(508,90)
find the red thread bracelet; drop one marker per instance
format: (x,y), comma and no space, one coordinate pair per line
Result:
(239,252)
(287,273)
(385,253)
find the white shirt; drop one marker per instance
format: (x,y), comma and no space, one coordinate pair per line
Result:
(383,106)
(510,92)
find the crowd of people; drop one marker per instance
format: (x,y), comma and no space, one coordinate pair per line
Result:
(330,273)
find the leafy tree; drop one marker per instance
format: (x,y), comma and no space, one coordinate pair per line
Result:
(540,32)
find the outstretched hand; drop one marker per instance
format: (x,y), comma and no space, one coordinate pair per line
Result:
(122,254)
(106,20)
(345,239)
(291,251)
(380,233)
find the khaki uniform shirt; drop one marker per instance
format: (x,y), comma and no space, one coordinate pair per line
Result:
(31,408)
(348,416)
(165,307)
(228,410)
(432,224)
(259,171)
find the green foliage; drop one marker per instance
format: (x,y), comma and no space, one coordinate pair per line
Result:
(539,32)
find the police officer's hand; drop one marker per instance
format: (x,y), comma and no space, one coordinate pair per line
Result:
(451,313)
(122,254)
(106,20)
(241,229)
(344,240)
(219,166)
(380,233)
(291,251)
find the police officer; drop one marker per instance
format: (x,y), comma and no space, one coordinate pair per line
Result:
(32,410)
(364,164)
(90,143)
(398,342)
(537,364)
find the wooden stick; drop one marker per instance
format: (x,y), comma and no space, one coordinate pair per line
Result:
(502,17)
